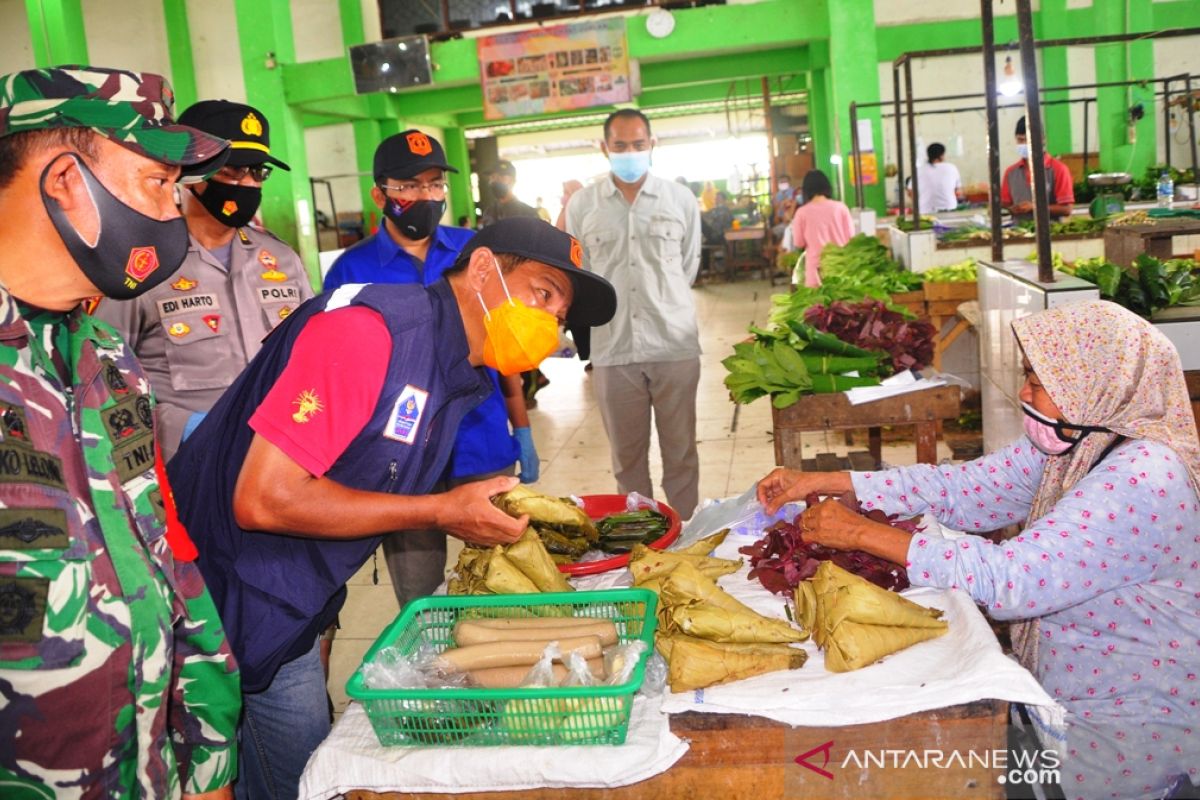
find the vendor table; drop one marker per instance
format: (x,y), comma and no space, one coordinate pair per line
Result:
(823,412)
(1124,243)
(745,251)
(744,756)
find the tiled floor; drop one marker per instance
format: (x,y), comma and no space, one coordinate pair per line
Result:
(734,443)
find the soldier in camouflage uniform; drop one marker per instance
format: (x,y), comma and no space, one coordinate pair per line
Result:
(116,679)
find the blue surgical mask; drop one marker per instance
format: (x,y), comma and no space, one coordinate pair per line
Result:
(630,167)
(1023,151)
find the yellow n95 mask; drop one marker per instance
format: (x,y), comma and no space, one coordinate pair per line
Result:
(518,337)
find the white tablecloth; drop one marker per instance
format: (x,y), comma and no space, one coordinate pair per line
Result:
(352,758)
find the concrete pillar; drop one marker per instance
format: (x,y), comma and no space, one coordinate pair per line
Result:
(462,203)
(1052,24)
(264,30)
(56,32)
(854,75)
(1124,148)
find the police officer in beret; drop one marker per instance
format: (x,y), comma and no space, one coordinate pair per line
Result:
(195,333)
(411,246)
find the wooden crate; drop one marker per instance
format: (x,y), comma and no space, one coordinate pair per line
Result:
(913,301)
(958,291)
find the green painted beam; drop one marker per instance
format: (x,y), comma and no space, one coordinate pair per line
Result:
(462,203)
(1176,14)
(727,67)
(894,40)
(56,32)
(347,108)
(310,81)
(179,51)
(264,30)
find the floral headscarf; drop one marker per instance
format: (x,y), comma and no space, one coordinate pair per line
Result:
(1107,367)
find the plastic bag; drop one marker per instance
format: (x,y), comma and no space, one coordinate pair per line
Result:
(541,674)
(622,660)
(392,669)
(578,671)
(744,516)
(634,501)
(655,680)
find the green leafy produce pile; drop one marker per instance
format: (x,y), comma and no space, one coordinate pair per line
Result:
(796,359)
(905,223)
(1148,286)
(867,260)
(963,271)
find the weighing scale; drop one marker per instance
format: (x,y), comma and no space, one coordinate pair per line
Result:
(1107,201)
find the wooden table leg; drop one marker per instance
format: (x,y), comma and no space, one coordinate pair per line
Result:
(926,442)
(875,443)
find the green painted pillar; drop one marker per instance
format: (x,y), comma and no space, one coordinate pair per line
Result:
(820,121)
(56,32)
(1056,119)
(265,35)
(1118,62)
(179,50)
(854,76)
(462,202)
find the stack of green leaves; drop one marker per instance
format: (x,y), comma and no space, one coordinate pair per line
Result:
(865,258)
(797,359)
(1146,287)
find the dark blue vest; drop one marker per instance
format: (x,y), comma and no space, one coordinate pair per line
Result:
(275,593)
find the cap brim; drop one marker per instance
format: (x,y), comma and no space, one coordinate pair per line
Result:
(249,157)
(203,153)
(595,300)
(417,169)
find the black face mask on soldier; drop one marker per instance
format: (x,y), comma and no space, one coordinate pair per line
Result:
(230,203)
(132,252)
(418,219)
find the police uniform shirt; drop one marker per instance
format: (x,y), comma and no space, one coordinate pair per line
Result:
(195,333)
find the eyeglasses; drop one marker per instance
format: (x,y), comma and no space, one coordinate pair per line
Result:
(258,173)
(435,189)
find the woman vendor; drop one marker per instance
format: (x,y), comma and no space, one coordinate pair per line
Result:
(1104,580)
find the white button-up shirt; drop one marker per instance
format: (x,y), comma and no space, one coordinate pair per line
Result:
(649,250)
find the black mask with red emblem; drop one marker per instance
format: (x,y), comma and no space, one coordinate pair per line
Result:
(230,203)
(415,219)
(132,252)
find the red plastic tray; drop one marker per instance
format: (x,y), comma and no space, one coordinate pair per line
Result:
(599,506)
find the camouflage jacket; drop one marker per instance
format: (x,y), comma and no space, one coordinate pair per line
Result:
(116,679)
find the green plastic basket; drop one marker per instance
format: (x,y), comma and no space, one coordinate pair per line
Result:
(486,717)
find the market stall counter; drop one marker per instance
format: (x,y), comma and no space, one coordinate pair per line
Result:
(802,732)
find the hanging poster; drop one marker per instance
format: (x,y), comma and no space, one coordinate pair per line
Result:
(556,68)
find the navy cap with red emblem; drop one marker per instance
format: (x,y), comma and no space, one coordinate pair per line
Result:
(409,153)
(595,300)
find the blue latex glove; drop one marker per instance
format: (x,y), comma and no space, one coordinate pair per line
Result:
(193,422)
(530,463)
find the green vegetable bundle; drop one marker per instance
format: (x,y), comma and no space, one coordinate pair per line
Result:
(799,359)
(963,271)
(1146,287)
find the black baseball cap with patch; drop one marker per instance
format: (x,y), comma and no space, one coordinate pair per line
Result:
(595,300)
(409,153)
(244,126)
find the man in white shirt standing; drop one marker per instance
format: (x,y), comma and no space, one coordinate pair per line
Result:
(939,183)
(642,233)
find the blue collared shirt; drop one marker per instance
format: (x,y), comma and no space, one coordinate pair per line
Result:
(484,442)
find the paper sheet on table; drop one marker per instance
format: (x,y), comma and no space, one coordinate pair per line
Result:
(352,758)
(966,664)
(902,383)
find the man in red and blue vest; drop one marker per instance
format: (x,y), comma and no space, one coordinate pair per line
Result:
(336,433)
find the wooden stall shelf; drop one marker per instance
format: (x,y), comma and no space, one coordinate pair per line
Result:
(738,756)
(1124,243)
(823,412)
(913,301)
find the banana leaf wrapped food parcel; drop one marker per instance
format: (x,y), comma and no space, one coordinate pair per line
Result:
(856,622)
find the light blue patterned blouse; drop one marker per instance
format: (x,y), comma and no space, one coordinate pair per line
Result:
(1113,571)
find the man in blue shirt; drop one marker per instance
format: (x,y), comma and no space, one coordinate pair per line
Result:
(411,247)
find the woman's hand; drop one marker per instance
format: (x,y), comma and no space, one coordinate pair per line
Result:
(783,485)
(831,524)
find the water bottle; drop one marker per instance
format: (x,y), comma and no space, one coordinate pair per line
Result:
(1166,190)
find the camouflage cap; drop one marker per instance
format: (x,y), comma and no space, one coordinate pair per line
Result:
(133,109)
